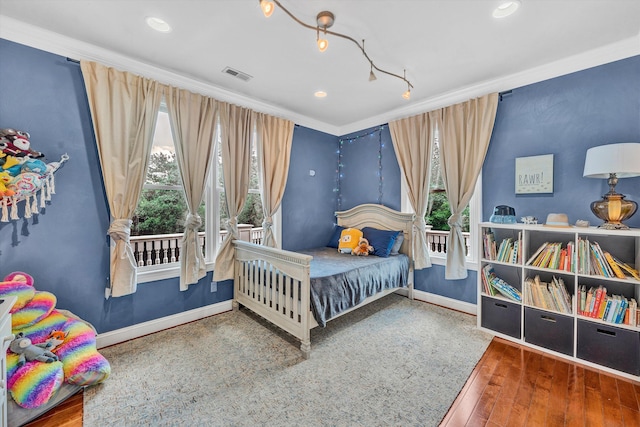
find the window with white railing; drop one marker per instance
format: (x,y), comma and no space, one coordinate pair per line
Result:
(158,224)
(438,213)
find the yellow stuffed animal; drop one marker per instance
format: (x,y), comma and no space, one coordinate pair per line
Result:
(5,179)
(349,239)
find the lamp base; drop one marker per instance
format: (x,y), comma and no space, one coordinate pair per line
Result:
(613,209)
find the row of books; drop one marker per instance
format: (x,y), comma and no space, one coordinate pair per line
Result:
(493,285)
(553,255)
(509,251)
(595,261)
(595,303)
(550,296)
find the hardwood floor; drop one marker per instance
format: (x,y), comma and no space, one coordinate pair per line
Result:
(512,385)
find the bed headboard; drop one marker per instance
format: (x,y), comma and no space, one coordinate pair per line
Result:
(381,217)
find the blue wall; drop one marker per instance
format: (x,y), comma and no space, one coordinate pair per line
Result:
(564,116)
(309,202)
(370,172)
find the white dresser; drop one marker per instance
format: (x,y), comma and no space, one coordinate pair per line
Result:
(5,332)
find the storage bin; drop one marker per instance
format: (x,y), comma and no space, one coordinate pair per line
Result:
(501,316)
(549,330)
(610,346)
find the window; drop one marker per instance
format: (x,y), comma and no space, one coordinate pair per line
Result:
(438,213)
(251,216)
(157,228)
(158,223)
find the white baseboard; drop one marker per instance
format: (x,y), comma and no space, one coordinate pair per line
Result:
(454,304)
(146,328)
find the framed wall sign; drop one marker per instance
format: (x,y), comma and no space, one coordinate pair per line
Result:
(534,175)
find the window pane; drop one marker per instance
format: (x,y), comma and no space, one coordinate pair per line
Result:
(160,212)
(438,210)
(163,167)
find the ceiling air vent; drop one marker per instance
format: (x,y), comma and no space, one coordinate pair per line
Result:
(238,74)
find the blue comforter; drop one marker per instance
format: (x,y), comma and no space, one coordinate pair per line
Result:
(341,281)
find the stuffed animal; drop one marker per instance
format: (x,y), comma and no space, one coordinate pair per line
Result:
(5,180)
(55,339)
(363,248)
(16,143)
(27,351)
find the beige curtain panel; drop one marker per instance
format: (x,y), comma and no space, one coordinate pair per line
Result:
(237,128)
(193,124)
(412,139)
(464,140)
(123,109)
(275,136)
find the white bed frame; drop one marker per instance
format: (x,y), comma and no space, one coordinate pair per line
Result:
(292,312)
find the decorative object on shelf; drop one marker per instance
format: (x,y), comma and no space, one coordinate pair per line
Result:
(534,175)
(23,174)
(582,223)
(503,214)
(324,20)
(612,162)
(529,220)
(557,220)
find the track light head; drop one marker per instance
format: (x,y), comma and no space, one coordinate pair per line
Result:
(325,19)
(372,76)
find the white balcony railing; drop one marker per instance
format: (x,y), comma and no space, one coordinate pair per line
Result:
(437,242)
(165,248)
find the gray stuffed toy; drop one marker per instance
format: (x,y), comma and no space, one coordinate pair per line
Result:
(22,346)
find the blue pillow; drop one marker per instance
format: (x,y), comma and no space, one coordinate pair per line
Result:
(395,250)
(381,240)
(335,238)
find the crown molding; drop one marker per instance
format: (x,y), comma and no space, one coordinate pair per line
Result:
(36,37)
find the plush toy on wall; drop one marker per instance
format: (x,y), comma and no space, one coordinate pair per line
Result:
(363,248)
(28,175)
(28,351)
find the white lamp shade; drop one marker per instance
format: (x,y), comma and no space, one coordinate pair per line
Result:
(623,159)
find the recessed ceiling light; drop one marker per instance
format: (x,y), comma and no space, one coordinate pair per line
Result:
(320,94)
(158,24)
(506,8)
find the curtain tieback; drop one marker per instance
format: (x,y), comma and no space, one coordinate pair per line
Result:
(231,225)
(267,222)
(120,229)
(193,221)
(420,225)
(455,220)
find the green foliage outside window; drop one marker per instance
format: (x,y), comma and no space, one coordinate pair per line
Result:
(440,212)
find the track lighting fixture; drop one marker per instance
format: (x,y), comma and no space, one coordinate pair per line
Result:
(324,20)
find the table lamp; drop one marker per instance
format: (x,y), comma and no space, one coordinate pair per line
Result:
(611,162)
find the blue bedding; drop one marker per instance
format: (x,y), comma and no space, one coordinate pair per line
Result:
(341,281)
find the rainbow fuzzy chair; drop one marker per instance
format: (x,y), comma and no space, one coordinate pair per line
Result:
(34,314)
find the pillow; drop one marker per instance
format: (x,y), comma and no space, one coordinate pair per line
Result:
(349,239)
(335,238)
(395,250)
(381,240)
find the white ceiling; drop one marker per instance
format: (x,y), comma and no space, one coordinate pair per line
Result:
(451,49)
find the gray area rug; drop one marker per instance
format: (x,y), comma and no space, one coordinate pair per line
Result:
(394,362)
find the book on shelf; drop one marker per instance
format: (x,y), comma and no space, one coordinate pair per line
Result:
(509,250)
(552,255)
(550,296)
(595,303)
(494,283)
(593,260)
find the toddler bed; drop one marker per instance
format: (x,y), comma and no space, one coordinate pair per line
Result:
(299,291)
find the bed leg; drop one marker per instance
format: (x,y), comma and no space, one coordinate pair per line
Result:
(305,347)
(235,305)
